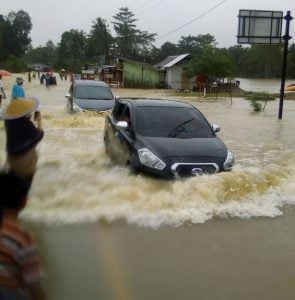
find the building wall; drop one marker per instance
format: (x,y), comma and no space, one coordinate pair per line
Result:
(175,79)
(140,75)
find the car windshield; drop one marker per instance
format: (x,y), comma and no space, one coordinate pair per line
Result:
(93,92)
(173,122)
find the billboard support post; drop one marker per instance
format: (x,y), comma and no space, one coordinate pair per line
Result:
(286,38)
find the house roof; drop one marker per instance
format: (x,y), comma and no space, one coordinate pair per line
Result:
(171,61)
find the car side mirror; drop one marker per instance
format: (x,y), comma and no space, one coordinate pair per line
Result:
(122,125)
(116,99)
(215,127)
(68,95)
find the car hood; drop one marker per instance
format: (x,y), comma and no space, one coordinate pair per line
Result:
(164,147)
(93,104)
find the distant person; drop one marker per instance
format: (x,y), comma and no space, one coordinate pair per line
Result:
(21,273)
(2,92)
(29,76)
(42,79)
(47,80)
(73,77)
(18,90)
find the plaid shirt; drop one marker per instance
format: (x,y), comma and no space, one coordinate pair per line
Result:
(19,260)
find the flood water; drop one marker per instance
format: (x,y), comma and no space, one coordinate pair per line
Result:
(76,183)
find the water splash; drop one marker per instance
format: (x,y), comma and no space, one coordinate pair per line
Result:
(112,193)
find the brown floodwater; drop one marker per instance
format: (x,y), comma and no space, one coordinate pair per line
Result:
(79,198)
(76,181)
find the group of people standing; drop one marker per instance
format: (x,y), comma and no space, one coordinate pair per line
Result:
(46,78)
(21,272)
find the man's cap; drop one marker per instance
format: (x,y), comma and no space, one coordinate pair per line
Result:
(20,107)
(19,79)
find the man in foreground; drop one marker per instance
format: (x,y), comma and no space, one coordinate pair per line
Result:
(20,269)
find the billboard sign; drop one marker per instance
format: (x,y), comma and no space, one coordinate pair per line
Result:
(259,27)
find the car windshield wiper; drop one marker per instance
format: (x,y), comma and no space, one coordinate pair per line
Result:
(179,128)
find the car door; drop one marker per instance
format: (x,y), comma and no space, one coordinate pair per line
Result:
(119,141)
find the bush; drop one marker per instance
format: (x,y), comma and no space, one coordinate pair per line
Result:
(256,105)
(15,64)
(263,96)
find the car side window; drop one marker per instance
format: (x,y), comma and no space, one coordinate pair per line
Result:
(118,111)
(126,115)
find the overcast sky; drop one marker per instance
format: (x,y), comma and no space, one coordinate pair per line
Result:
(169,19)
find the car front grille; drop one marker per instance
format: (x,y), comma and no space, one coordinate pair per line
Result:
(181,170)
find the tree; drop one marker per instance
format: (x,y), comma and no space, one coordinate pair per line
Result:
(130,42)
(5,29)
(44,55)
(99,42)
(213,62)
(262,61)
(191,44)
(71,50)
(21,26)
(291,61)
(14,34)
(237,54)
(167,49)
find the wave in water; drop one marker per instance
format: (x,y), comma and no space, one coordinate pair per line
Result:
(98,191)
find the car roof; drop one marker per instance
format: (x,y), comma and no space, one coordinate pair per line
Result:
(157,102)
(90,82)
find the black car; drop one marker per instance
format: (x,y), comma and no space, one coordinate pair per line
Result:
(168,138)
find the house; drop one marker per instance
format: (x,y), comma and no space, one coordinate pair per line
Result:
(173,72)
(131,74)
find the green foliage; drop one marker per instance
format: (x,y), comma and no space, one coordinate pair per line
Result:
(71,53)
(42,55)
(256,105)
(167,49)
(211,61)
(258,61)
(77,48)
(291,61)
(99,42)
(130,42)
(15,64)
(14,34)
(262,96)
(192,44)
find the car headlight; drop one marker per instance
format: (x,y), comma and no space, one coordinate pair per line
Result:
(230,161)
(77,108)
(149,159)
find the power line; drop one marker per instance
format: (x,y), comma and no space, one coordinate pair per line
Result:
(132,3)
(193,20)
(150,7)
(147,3)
